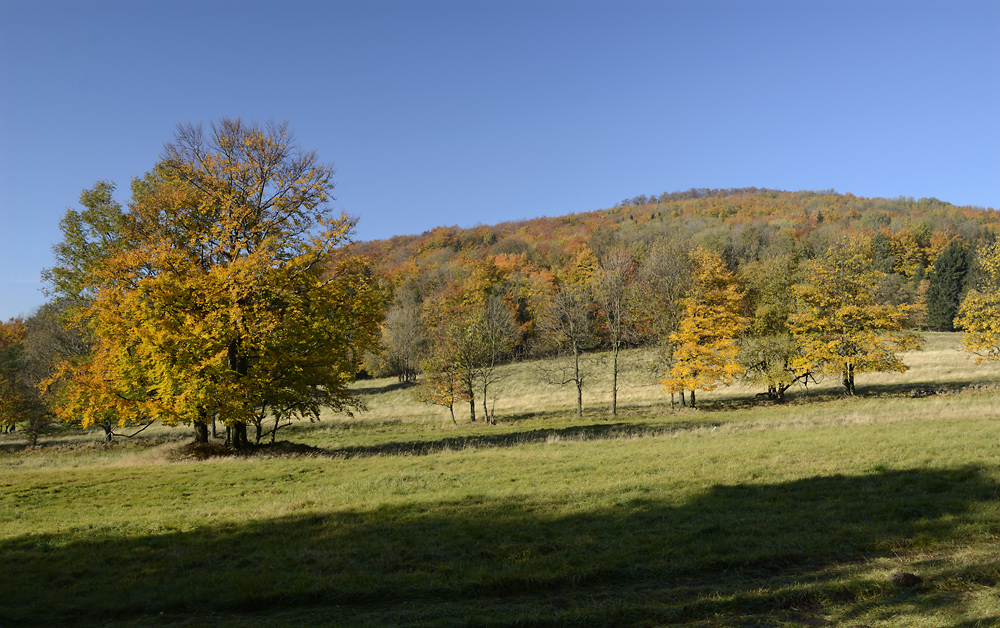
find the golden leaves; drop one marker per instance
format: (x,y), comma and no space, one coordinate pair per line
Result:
(230,300)
(979,313)
(839,324)
(712,321)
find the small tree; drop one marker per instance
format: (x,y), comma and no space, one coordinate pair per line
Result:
(712,321)
(568,324)
(19,399)
(663,279)
(614,296)
(979,314)
(453,349)
(403,340)
(497,332)
(944,291)
(442,386)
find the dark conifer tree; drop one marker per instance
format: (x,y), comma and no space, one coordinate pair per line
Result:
(946,285)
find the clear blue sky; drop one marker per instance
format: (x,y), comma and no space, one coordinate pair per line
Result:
(460,112)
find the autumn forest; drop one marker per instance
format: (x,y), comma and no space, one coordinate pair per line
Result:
(770,287)
(227,292)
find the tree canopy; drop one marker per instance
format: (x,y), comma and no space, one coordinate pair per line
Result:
(979,314)
(707,335)
(841,325)
(233,298)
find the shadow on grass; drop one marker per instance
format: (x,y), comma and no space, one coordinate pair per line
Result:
(376,390)
(734,552)
(799,396)
(600,431)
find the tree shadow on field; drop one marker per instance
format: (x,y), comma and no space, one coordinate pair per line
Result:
(376,390)
(921,387)
(600,431)
(909,389)
(753,551)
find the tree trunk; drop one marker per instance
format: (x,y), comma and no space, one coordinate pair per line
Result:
(200,431)
(215,433)
(472,409)
(614,382)
(486,409)
(579,382)
(451,408)
(579,399)
(849,380)
(692,398)
(239,362)
(240,440)
(683,399)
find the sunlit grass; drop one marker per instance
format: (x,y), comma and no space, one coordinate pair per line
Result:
(736,514)
(940,365)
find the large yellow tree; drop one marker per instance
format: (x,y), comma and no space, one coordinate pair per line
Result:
(839,323)
(233,299)
(979,314)
(713,319)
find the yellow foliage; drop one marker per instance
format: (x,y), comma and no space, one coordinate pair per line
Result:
(233,300)
(979,314)
(713,319)
(839,323)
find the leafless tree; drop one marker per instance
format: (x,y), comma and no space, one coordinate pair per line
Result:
(497,333)
(662,279)
(568,324)
(403,339)
(614,295)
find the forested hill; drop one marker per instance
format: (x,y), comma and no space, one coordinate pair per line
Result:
(917,257)
(745,224)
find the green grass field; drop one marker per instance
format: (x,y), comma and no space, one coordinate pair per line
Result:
(735,514)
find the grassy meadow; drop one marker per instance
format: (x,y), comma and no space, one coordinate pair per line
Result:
(737,513)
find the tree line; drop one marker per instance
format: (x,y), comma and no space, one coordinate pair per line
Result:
(773,322)
(771,288)
(227,293)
